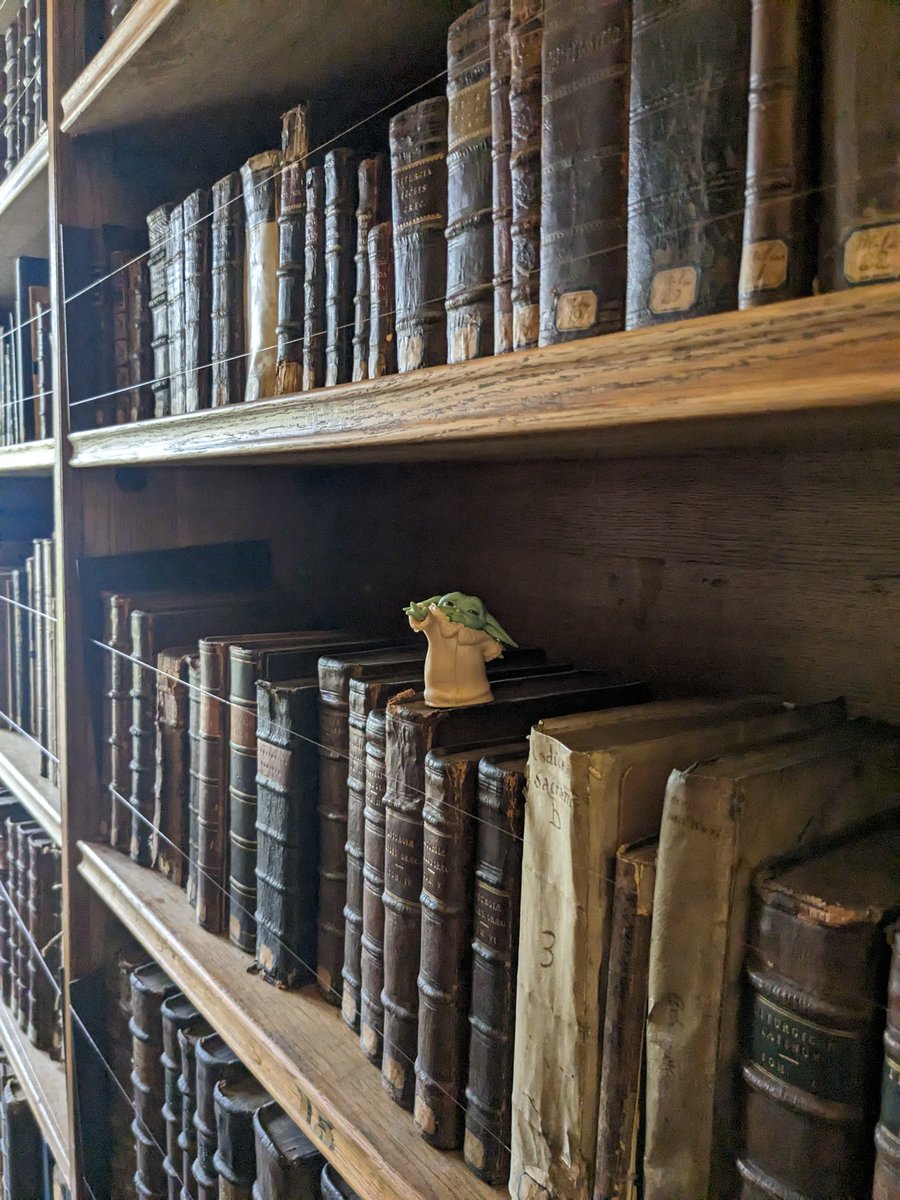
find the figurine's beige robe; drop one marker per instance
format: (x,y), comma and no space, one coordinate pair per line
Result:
(455,672)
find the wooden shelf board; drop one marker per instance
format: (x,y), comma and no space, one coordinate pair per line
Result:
(293,1042)
(801,373)
(24,214)
(27,458)
(20,771)
(44,1083)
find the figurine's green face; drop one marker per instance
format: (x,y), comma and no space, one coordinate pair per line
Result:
(465,610)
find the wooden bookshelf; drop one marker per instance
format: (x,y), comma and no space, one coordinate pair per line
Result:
(27,458)
(23,213)
(294,1043)
(20,770)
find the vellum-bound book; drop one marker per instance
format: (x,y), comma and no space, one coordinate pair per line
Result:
(595,781)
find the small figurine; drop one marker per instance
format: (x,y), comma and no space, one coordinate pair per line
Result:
(462,637)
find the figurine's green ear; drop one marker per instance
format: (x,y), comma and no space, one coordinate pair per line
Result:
(496,630)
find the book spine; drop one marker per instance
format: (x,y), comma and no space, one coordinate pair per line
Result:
(289,1167)
(24,73)
(197,317)
(501,178)
(227,293)
(419,203)
(40,666)
(333,805)
(235,1157)
(116,713)
(187,1090)
(177,1014)
(157,265)
(292,252)
(119,402)
(382,328)
(586,63)
(18,614)
(143,735)
(50,762)
(12,95)
(23,1147)
(371,1022)
(193,675)
(175,308)
(137,344)
(212,793)
(526,36)
(887,1131)
(211,1066)
(355,847)
(26,86)
(43,925)
(314,281)
(31,628)
(261,201)
(470,249)
(242,801)
(367,212)
(5,913)
(686,160)
(149,988)
(170,810)
(340,206)
(38,68)
(43,366)
(21,969)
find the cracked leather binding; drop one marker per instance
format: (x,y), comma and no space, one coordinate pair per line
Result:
(470,248)
(887,1131)
(501,179)
(187,1090)
(227,293)
(262,194)
(314,282)
(419,189)
(526,36)
(687,158)
(158,230)
(341,185)
(382,326)
(236,1102)
(197,317)
(292,251)
(169,836)
(150,987)
(139,399)
(175,307)
(213,1062)
(177,1014)
(368,212)
(287,1163)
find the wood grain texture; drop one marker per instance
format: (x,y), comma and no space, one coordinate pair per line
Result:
(23,213)
(294,1044)
(27,458)
(20,772)
(736,379)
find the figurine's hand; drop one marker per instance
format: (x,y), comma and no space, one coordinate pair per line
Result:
(418,612)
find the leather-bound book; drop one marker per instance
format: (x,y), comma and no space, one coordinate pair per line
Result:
(262,195)
(778,259)
(20,947)
(39,66)
(118,404)
(860,231)
(495,939)
(197,318)
(158,229)
(314,281)
(686,159)
(118,989)
(236,1102)
(193,681)
(333,1187)
(187,1090)
(585,69)
(26,98)
(43,926)
(816,975)
(169,835)
(175,307)
(11,812)
(150,987)
(371,1014)
(619,1158)
(470,248)
(177,1014)
(43,369)
(137,344)
(368,210)
(214,1062)
(341,187)
(116,772)
(382,304)
(292,251)
(501,178)
(227,293)
(12,95)
(887,1131)
(526,36)
(448,841)
(287,1163)
(419,204)
(413,728)
(21,710)
(23,1159)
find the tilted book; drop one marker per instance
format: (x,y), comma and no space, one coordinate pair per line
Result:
(262,196)
(291,250)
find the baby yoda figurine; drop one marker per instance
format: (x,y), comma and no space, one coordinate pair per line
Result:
(462,637)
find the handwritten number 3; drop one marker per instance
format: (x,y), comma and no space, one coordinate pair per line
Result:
(547,951)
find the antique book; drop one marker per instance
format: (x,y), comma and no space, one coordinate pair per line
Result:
(262,194)
(501,179)
(816,975)
(44,925)
(137,343)
(11,812)
(236,1102)
(586,65)
(419,205)
(115,407)
(197,314)
(445,964)
(194,693)
(169,833)
(887,1131)
(595,782)
(778,258)
(382,325)
(27,73)
(470,248)
(287,1163)
(116,771)
(333,1187)
(370,192)
(50,761)
(213,1062)
(314,281)
(291,251)
(31,273)
(687,159)
(150,987)
(39,66)
(12,95)
(175,307)
(341,186)
(157,264)
(187,1089)
(17,889)
(500,813)
(412,730)
(619,1149)
(18,614)
(526,37)
(721,820)
(43,366)
(227,374)
(177,1014)
(23,1165)
(860,228)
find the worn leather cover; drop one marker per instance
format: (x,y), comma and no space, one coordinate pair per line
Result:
(262,196)
(23,1160)
(175,307)
(887,1131)
(287,1163)
(333,1187)
(382,303)
(418,139)
(118,378)
(236,1102)
(197,313)
(687,158)
(371,192)
(44,925)
(43,369)
(816,974)
(20,947)
(619,1158)
(11,812)
(228,369)
(341,187)
(158,230)
(18,617)
(150,987)
(412,730)
(445,967)
(26,74)
(15,831)
(169,836)
(187,1090)
(177,1014)
(139,398)
(860,232)
(314,281)
(778,259)
(500,812)
(121,1113)
(213,1062)
(11,121)
(526,37)
(291,250)
(501,179)
(470,251)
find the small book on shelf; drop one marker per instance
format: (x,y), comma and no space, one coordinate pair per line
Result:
(287,1163)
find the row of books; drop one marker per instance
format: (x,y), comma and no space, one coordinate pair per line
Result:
(26,365)
(30,927)
(28,1170)
(24,72)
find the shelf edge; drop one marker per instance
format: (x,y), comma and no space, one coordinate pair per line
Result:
(27,458)
(26,170)
(34,793)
